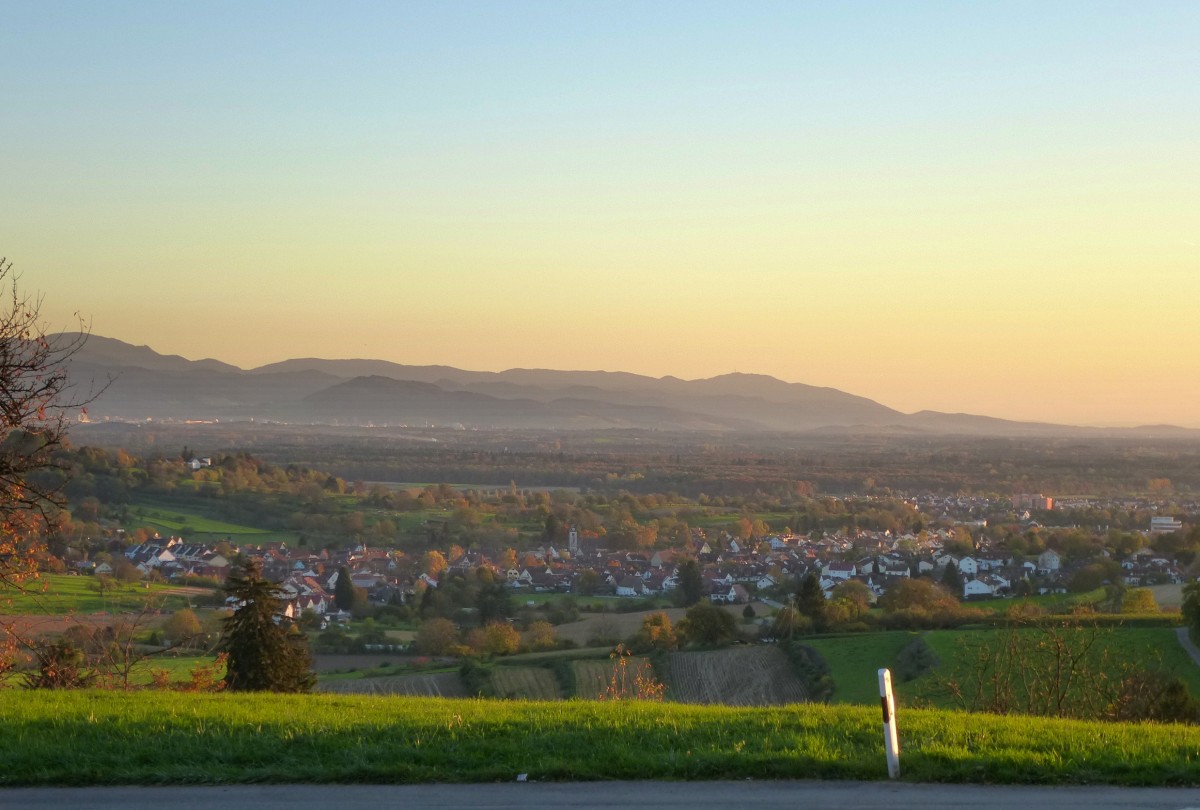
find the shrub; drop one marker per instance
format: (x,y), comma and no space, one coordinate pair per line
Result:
(917,658)
(477,678)
(812,670)
(708,625)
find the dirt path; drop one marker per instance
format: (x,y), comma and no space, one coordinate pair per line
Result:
(1188,644)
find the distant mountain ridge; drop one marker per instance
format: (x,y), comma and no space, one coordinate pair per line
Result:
(143,384)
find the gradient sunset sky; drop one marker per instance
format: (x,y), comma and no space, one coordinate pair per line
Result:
(981,207)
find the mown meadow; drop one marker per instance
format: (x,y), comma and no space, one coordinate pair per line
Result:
(63,594)
(93,738)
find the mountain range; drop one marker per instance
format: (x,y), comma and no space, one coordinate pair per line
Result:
(137,383)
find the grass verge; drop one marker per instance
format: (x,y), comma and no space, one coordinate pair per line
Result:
(96,738)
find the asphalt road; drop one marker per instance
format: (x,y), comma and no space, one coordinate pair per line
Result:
(597,795)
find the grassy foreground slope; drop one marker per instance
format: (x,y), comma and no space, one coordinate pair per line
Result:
(92,738)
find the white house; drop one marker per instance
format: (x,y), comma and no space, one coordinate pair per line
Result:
(1048,561)
(976,588)
(839,570)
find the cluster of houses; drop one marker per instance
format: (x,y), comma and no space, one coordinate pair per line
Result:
(732,570)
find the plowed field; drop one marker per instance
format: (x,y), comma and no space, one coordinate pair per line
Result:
(439,684)
(592,678)
(525,683)
(742,676)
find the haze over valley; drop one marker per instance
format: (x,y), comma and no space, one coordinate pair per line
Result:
(139,384)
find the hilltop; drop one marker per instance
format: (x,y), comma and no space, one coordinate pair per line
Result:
(139,383)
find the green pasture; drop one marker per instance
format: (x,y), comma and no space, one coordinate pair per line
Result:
(854,660)
(177,666)
(151,738)
(1050,603)
(59,594)
(173,520)
(410,522)
(1150,647)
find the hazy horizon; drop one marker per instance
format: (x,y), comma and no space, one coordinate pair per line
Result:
(593,370)
(979,208)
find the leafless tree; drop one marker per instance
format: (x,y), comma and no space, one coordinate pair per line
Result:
(37,405)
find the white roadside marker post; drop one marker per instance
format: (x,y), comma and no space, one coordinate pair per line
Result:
(891,739)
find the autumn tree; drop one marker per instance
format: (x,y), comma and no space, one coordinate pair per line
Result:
(266,654)
(908,594)
(508,559)
(1139,600)
(656,633)
(436,637)
(708,625)
(495,638)
(37,402)
(589,581)
(854,592)
(541,635)
(183,627)
(434,563)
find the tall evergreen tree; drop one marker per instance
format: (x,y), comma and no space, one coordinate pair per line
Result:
(810,599)
(343,590)
(952,579)
(265,653)
(691,583)
(493,602)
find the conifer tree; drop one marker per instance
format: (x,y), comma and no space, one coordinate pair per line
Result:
(343,590)
(952,579)
(810,599)
(691,583)
(266,654)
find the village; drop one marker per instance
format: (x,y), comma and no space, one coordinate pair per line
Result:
(733,571)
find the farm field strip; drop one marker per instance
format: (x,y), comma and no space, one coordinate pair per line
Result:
(440,684)
(749,676)
(593,677)
(525,683)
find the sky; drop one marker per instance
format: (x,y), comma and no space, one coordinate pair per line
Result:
(988,208)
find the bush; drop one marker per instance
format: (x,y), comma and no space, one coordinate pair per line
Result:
(477,678)
(564,673)
(917,658)
(708,625)
(812,670)
(920,618)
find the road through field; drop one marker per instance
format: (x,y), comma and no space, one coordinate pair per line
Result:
(603,795)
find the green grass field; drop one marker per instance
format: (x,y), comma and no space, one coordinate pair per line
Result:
(1051,603)
(171,520)
(854,660)
(59,594)
(178,667)
(143,738)
(1152,647)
